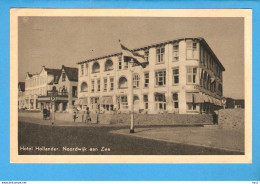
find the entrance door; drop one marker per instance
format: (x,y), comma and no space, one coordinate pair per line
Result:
(64,106)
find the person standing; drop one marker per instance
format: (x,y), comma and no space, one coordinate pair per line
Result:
(75,116)
(88,115)
(84,117)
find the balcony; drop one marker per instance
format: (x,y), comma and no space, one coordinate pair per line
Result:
(56,93)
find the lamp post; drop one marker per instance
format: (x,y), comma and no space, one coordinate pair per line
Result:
(131,97)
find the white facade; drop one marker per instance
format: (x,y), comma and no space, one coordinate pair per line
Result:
(36,85)
(39,86)
(180,78)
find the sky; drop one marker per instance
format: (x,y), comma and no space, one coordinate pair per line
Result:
(56,41)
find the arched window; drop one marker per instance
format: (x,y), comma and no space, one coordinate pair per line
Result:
(84,87)
(109,65)
(136,80)
(122,83)
(95,68)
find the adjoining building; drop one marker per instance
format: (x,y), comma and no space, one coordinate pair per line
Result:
(21,95)
(39,86)
(235,103)
(181,76)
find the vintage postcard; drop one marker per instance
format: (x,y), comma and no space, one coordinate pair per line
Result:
(131,86)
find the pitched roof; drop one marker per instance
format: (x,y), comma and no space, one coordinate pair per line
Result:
(21,86)
(72,73)
(55,72)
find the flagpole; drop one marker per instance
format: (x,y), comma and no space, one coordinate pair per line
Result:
(132,97)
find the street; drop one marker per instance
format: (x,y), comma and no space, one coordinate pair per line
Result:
(39,139)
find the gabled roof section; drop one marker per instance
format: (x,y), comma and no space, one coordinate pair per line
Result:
(55,72)
(21,86)
(72,73)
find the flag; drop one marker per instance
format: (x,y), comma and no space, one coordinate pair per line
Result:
(137,58)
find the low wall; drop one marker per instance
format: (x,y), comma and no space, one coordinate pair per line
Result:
(140,119)
(231,119)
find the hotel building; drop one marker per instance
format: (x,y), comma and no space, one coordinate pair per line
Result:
(38,88)
(180,76)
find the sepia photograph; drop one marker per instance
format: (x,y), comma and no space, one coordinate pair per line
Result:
(126,83)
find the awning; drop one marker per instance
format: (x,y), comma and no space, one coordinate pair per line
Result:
(211,99)
(189,98)
(77,102)
(212,79)
(106,100)
(198,98)
(84,101)
(219,103)
(206,98)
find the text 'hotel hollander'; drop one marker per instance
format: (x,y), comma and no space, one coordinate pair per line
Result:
(181,76)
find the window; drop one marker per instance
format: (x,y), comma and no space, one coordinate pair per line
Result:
(175,100)
(191,75)
(191,50)
(146,80)
(105,84)
(175,76)
(220,87)
(92,86)
(63,77)
(160,77)
(191,107)
(160,55)
(136,81)
(111,84)
(176,52)
(160,101)
(84,87)
(122,83)
(94,102)
(98,84)
(119,62)
(95,68)
(74,91)
(146,101)
(109,65)
(82,69)
(86,69)
(146,55)
(123,102)
(125,64)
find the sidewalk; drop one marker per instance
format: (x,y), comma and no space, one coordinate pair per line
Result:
(56,123)
(212,137)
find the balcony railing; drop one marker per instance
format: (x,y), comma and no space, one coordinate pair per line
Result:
(56,93)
